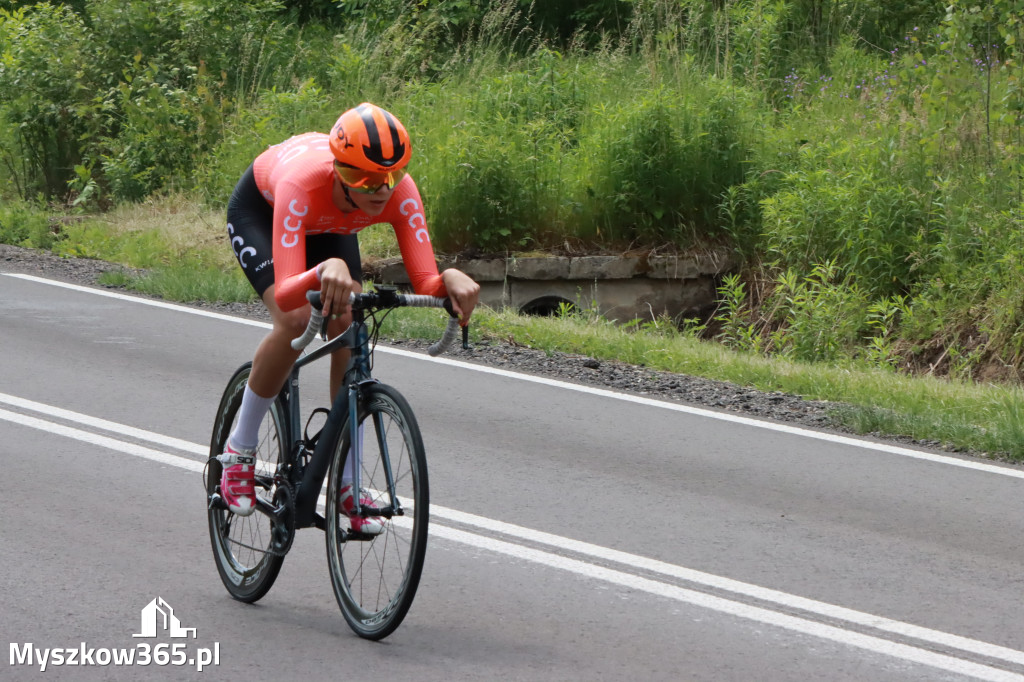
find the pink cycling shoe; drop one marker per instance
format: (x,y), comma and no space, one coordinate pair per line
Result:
(236,482)
(371,525)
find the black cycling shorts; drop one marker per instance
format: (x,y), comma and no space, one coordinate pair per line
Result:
(251,229)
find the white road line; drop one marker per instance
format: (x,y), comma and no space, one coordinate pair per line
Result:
(121,446)
(764,594)
(579,567)
(104,425)
(649,402)
(137,299)
(734,608)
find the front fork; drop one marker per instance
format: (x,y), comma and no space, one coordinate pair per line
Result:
(356,395)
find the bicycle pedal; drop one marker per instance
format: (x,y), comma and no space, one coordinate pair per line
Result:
(215,501)
(353,536)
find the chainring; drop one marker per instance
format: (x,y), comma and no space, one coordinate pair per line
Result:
(282,525)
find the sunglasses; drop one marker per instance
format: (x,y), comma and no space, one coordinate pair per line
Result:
(367,182)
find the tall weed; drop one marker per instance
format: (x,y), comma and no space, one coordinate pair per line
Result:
(847,209)
(657,163)
(498,152)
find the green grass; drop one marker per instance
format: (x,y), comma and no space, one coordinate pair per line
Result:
(962,414)
(184,284)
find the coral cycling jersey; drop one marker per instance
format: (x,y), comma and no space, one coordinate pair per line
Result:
(297,178)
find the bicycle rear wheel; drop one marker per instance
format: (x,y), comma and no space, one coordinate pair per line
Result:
(375,577)
(244,546)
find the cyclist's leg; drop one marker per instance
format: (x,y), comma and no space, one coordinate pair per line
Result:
(345,247)
(250,227)
(274,357)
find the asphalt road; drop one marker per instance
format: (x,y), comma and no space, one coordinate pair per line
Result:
(576,534)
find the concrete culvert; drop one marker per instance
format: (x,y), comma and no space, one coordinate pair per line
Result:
(548,306)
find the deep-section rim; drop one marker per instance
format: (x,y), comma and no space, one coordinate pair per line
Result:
(245,583)
(382,620)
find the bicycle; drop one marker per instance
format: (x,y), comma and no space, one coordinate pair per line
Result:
(374,577)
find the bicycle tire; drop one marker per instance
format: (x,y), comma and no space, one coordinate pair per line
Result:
(375,578)
(241,545)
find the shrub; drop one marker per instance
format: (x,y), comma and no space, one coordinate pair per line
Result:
(495,152)
(271,119)
(819,317)
(658,164)
(46,57)
(849,207)
(162,131)
(24,224)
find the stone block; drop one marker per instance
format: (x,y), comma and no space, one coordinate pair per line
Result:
(688,267)
(525,291)
(483,269)
(671,267)
(604,267)
(391,271)
(539,268)
(621,300)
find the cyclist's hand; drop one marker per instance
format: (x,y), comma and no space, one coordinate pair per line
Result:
(464,292)
(336,285)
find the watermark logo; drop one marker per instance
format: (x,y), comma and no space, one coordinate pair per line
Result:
(158,615)
(157,620)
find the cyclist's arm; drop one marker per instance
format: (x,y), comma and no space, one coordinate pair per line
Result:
(291,279)
(406,215)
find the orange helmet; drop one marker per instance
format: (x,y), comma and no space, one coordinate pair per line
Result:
(370,139)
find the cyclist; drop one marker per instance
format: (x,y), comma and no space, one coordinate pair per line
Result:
(293,219)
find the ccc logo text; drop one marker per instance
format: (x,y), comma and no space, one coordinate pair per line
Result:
(406,208)
(238,245)
(292,224)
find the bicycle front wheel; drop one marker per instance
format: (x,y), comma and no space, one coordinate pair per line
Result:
(244,547)
(375,576)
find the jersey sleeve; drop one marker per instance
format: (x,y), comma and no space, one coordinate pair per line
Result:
(410,225)
(291,279)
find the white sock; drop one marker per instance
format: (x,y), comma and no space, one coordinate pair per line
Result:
(246,434)
(349,472)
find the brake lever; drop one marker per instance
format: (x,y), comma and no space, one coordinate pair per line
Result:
(465,329)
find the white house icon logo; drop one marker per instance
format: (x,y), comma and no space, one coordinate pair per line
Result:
(159,616)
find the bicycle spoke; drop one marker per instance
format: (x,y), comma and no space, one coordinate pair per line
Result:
(242,545)
(375,577)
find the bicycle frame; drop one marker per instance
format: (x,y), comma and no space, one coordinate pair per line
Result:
(345,408)
(306,478)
